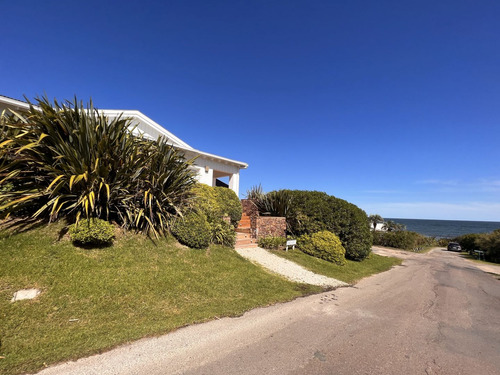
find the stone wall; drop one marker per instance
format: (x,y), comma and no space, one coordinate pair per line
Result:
(269,226)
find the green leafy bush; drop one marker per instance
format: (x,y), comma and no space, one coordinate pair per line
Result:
(223,233)
(193,230)
(272,243)
(217,202)
(230,204)
(70,160)
(402,239)
(443,242)
(324,245)
(468,242)
(92,232)
(314,211)
(490,244)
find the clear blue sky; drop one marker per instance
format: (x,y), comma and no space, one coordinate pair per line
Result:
(391,105)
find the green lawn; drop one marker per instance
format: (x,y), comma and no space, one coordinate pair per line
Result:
(93,300)
(350,273)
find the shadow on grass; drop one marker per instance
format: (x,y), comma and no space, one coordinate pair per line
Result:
(87,246)
(22,224)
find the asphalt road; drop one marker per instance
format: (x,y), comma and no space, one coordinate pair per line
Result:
(435,314)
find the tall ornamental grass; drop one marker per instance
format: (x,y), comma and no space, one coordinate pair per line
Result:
(70,160)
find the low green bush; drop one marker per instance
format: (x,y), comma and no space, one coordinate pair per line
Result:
(193,230)
(272,243)
(324,245)
(490,244)
(223,234)
(402,239)
(92,232)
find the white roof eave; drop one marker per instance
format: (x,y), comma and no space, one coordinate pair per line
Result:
(143,119)
(224,160)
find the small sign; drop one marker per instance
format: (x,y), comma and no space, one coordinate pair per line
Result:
(291,243)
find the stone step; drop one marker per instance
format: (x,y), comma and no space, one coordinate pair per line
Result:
(247,243)
(244,222)
(243,236)
(243,230)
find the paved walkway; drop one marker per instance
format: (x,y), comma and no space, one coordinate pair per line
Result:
(287,268)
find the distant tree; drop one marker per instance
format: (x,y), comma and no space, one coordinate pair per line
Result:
(375,219)
(392,226)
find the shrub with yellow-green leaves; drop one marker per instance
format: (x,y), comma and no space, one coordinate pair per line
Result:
(324,245)
(217,203)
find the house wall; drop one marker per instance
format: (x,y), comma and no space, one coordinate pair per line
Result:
(379,227)
(205,168)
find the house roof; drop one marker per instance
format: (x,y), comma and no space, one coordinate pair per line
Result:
(149,128)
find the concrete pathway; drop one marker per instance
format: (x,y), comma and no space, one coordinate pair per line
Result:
(288,269)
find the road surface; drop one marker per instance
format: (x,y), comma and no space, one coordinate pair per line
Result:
(435,314)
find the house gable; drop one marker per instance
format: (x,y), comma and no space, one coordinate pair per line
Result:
(209,167)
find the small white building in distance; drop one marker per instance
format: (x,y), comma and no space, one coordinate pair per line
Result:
(210,168)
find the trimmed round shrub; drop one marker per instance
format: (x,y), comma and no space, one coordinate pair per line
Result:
(272,243)
(324,245)
(193,230)
(223,234)
(92,232)
(217,202)
(230,204)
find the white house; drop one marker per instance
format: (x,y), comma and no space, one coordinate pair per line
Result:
(210,168)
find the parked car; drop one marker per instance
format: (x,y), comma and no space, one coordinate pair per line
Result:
(454,246)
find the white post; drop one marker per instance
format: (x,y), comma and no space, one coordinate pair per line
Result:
(234,183)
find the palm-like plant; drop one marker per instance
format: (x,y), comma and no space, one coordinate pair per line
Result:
(71,160)
(274,203)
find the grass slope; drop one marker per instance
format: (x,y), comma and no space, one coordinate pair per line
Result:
(350,273)
(93,300)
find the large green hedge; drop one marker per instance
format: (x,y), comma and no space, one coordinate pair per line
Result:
(314,211)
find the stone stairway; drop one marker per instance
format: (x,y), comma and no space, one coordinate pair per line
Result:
(243,233)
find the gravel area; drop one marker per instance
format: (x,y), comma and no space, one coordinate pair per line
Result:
(288,269)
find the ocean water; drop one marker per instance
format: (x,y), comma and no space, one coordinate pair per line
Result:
(447,228)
